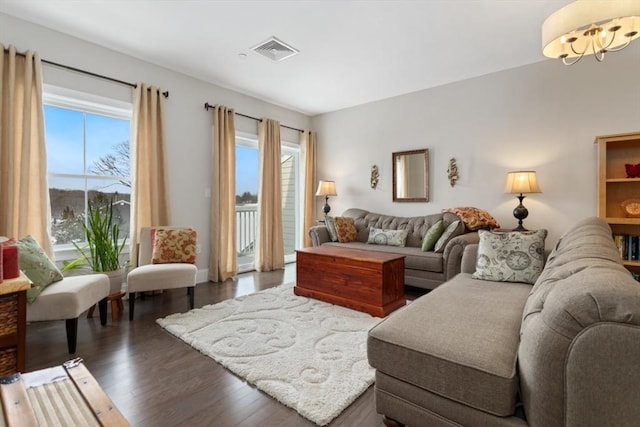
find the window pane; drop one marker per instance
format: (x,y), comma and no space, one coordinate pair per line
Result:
(107,146)
(105,191)
(67,210)
(64,129)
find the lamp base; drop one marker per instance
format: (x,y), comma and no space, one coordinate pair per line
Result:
(520,213)
(326,208)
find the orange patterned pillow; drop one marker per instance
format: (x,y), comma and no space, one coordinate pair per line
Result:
(173,245)
(346,229)
(474,218)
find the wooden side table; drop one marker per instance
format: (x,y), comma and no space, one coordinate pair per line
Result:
(13,324)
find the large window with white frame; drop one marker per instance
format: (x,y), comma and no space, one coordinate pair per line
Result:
(88,160)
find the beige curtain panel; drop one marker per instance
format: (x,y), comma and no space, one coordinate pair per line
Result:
(308,152)
(222,260)
(24,190)
(149,188)
(270,245)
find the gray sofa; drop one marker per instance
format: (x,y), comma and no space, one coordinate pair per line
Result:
(425,270)
(563,352)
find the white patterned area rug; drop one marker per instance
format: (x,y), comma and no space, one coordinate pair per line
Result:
(307,354)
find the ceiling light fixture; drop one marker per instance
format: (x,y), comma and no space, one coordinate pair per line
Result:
(590,27)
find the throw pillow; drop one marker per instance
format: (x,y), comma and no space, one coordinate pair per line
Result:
(173,245)
(331,228)
(345,229)
(474,218)
(432,235)
(454,229)
(510,257)
(38,267)
(381,236)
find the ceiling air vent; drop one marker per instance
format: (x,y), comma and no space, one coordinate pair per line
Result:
(274,49)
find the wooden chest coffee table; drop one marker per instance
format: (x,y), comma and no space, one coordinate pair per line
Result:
(372,282)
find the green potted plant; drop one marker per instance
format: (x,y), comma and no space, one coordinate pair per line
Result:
(103,249)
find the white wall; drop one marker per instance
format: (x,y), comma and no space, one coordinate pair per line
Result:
(188,124)
(542,117)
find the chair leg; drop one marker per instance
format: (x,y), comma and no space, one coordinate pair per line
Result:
(102,308)
(72,334)
(190,291)
(132,299)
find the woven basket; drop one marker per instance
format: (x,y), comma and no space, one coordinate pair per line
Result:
(8,362)
(8,315)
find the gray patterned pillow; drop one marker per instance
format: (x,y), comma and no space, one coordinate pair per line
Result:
(380,236)
(454,229)
(331,228)
(510,257)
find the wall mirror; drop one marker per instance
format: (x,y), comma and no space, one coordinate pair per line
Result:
(411,176)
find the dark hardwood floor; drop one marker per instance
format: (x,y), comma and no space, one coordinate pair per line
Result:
(156,379)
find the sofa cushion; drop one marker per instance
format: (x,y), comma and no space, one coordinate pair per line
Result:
(331,228)
(414,258)
(432,236)
(510,257)
(345,229)
(380,236)
(474,218)
(465,347)
(454,229)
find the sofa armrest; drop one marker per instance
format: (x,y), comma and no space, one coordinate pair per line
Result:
(452,256)
(469,258)
(319,235)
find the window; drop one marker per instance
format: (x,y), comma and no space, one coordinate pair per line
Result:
(88,159)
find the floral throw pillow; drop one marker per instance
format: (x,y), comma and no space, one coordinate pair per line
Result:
(380,236)
(345,229)
(38,267)
(173,245)
(474,218)
(510,257)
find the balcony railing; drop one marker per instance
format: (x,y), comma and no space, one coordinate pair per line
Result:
(246,228)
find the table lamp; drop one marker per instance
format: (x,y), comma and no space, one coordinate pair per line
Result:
(326,189)
(520,182)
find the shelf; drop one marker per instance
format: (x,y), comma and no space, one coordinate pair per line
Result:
(630,263)
(616,180)
(623,221)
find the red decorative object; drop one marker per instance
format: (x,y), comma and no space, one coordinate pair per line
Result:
(10,264)
(1,264)
(633,171)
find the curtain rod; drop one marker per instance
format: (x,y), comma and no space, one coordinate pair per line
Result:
(207,106)
(89,73)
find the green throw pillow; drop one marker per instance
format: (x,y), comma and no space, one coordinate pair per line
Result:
(432,235)
(37,266)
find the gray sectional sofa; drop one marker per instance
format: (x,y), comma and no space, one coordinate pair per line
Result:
(425,270)
(563,352)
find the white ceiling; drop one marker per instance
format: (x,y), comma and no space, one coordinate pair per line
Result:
(351,52)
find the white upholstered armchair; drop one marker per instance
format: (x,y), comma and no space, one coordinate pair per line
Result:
(166,260)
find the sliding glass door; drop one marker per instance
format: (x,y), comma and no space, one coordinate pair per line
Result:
(247,184)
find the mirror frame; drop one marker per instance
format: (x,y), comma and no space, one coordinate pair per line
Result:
(394,158)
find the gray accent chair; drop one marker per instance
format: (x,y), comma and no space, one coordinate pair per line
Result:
(563,352)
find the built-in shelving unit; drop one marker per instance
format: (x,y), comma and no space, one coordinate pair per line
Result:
(614,187)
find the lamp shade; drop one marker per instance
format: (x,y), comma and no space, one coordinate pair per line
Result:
(326,188)
(566,33)
(521,182)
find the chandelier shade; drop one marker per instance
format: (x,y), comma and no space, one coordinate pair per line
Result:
(590,27)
